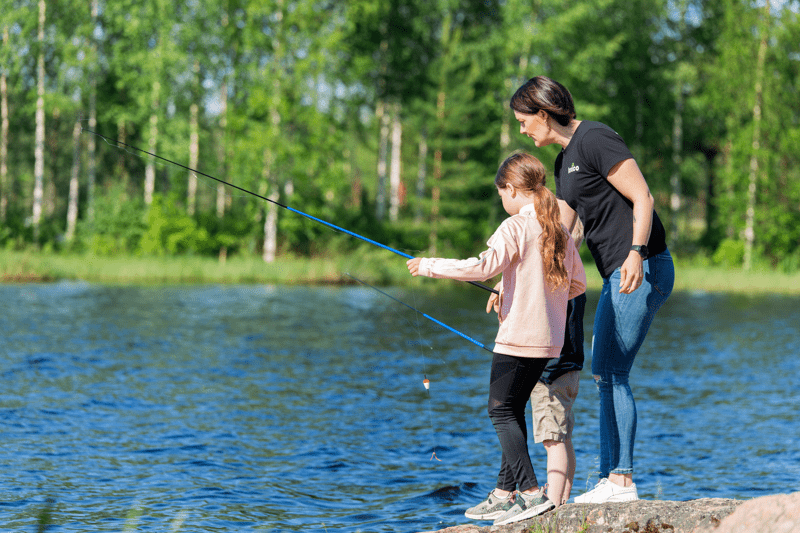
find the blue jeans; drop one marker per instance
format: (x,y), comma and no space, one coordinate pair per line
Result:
(620,325)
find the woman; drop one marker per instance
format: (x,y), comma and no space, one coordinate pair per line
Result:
(598,180)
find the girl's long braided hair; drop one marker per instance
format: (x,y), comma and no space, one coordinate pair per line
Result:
(527,173)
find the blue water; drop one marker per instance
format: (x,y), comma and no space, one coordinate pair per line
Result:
(246,408)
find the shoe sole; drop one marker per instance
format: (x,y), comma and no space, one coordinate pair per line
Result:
(613,499)
(490,516)
(528,513)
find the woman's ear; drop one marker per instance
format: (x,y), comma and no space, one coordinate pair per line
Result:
(544,116)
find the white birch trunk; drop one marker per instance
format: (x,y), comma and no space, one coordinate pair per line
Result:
(675,198)
(4,138)
(749,232)
(150,169)
(194,156)
(38,168)
(92,144)
(72,202)
(271,215)
(395,170)
(221,149)
(270,179)
(121,170)
(383,150)
(422,172)
(437,176)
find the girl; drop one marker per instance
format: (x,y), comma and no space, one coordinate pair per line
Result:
(541,270)
(598,180)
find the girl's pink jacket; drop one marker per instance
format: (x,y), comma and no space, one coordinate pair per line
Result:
(532,316)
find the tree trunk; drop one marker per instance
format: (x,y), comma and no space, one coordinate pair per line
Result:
(677,159)
(270,180)
(422,172)
(749,233)
(92,144)
(150,169)
(194,147)
(194,156)
(395,171)
(437,175)
(221,148)
(383,148)
(4,138)
(122,172)
(72,203)
(38,169)
(271,215)
(51,143)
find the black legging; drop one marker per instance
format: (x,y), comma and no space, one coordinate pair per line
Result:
(510,386)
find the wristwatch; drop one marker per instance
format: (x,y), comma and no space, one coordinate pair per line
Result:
(641,249)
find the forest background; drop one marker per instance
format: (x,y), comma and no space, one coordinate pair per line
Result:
(385,117)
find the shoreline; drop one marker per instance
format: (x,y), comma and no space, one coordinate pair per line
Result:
(374,268)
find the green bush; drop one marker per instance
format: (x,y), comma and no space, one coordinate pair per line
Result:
(730,253)
(172,231)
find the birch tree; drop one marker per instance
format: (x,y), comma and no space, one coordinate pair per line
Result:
(38,171)
(4,132)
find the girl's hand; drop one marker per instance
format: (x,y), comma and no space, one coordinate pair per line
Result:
(494,300)
(413,266)
(631,273)
(493,303)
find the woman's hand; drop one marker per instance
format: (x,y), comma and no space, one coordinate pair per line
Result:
(631,273)
(413,265)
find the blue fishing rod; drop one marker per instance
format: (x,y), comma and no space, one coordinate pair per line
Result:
(445,326)
(293,210)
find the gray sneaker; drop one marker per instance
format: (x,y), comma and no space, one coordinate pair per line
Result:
(525,506)
(490,508)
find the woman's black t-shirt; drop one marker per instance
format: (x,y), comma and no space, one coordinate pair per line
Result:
(581,173)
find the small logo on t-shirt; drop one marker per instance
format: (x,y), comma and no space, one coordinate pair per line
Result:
(573,168)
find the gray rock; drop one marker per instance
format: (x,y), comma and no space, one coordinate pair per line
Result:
(779,513)
(643,516)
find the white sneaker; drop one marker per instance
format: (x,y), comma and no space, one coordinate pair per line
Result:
(606,491)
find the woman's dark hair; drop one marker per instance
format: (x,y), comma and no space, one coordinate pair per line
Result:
(527,173)
(543,93)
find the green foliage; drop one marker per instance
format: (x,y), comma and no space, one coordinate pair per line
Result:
(304,80)
(169,230)
(118,226)
(730,253)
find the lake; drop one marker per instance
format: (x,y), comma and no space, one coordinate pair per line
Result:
(244,408)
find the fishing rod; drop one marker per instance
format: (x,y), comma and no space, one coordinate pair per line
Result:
(293,210)
(445,326)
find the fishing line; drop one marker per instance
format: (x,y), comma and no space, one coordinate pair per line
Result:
(425,381)
(429,317)
(288,208)
(116,144)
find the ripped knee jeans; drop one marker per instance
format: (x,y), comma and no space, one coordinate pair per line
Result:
(620,326)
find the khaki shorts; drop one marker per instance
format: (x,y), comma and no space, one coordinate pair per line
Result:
(551,406)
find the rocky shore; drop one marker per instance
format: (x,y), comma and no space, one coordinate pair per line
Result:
(768,514)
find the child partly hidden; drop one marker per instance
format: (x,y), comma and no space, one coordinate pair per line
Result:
(554,395)
(541,271)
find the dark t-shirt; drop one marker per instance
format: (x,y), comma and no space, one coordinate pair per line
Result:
(571,357)
(581,176)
